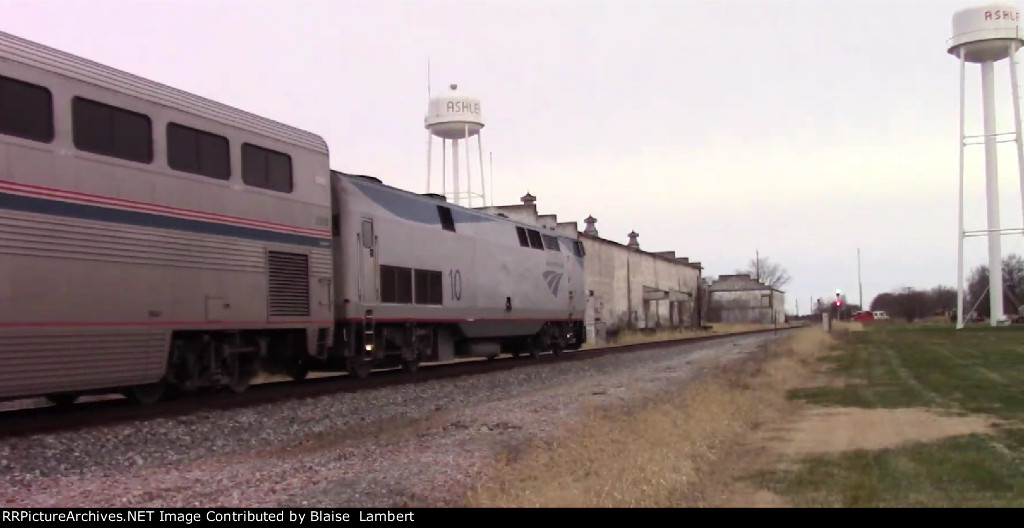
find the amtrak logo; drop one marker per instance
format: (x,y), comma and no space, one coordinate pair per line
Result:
(554,280)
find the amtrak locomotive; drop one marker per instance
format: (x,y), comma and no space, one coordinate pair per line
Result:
(153,241)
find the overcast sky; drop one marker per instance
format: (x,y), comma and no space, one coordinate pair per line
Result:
(802,129)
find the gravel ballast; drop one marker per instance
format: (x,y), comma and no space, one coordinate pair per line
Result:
(408,445)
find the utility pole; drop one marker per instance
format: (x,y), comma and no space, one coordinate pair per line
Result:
(757,264)
(860,286)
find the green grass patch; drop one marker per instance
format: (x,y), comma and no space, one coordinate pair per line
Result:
(979,370)
(974,370)
(958,472)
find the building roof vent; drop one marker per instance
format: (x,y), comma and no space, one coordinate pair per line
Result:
(632,240)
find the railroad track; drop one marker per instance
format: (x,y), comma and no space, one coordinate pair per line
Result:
(52,419)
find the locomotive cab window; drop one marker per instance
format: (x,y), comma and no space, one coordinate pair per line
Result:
(108,130)
(197,152)
(266,169)
(26,110)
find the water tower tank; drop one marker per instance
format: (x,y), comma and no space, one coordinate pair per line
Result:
(449,114)
(985,32)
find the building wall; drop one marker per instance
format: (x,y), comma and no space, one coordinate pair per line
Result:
(746,306)
(615,278)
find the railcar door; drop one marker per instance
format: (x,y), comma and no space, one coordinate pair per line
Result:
(368,291)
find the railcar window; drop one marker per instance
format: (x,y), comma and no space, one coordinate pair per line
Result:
(523,241)
(107,130)
(577,249)
(197,152)
(26,110)
(535,240)
(428,287)
(551,243)
(266,169)
(447,222)
(395,284)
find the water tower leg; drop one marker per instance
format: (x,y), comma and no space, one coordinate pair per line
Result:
(469,173)
(455,171)
(444,167)
(960,225)
(480,147)
(1019,143)
(995,275)
(430,145)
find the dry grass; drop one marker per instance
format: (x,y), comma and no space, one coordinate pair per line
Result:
(630,337)
(665,451)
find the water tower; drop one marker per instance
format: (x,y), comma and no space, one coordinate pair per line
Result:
(455,117)
(985,35)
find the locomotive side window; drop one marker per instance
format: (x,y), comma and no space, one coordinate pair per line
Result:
(266,169)
(197,152)
(26,110)
(535,240)
(395,284)
(447,222)
(551,243)
(428,287)
(107,130)
(523,241)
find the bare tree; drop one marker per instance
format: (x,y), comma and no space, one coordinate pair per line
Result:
(1013,287)
(767,272)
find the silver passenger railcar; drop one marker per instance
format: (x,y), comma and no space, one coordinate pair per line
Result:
(420,279)
(150,238)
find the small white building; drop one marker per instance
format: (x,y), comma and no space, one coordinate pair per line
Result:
(626,287)
(741,299)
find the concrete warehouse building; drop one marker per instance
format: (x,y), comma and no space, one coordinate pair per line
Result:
(741,299)
(626,287)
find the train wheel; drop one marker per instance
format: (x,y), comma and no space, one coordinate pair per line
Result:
(298,372)
(62,400)
(556,349)
(410,365)
(147,394)
(359,368)
(243,372)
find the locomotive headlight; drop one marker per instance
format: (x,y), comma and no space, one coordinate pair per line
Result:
(369,348)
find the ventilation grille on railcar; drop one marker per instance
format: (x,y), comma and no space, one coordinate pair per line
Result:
(289,284)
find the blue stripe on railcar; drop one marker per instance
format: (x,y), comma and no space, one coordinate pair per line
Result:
(33,204)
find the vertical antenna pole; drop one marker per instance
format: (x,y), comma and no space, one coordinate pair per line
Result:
(492,178)
(960,214)
(860,285)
